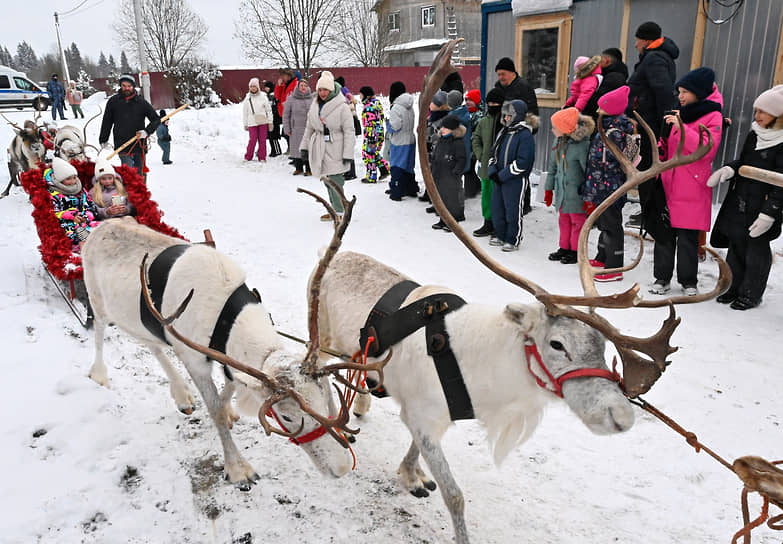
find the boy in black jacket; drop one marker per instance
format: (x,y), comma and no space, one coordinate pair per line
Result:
(448,161)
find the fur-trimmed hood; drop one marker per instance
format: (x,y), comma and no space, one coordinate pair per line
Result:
(459,132)
(589,67)
(533,121)
(584,128)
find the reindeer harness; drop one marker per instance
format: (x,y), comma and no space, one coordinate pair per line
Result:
(158,275)
(389,324)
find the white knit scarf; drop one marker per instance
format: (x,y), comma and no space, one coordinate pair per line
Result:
(766,137)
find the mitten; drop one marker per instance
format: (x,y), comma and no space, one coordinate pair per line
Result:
(548,196)
(761,225)
(68,215)
(720,175)
(90,215)
(141,134)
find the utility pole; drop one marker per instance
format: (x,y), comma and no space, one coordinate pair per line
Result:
(145,76)
(63,62)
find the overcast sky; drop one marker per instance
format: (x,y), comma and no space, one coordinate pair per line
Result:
(90,27)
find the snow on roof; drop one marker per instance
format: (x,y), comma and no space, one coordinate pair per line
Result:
(417,44)
(532,7)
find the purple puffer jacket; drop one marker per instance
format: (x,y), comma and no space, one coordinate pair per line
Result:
(687,195)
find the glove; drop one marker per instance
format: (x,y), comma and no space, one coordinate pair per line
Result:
(304,154)
(761,225)
(141,134)
(494,177)
(588,207)
(548,195)
(720,175)
(106,146)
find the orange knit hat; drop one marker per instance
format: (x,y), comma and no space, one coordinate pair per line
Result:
(566,120)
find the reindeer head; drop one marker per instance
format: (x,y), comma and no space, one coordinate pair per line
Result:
(639,372)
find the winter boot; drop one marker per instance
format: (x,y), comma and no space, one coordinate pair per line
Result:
(557,255)
(485,230)
(569,257)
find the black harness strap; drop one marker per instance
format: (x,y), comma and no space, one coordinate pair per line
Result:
(158,276)
(241,297)
(390,325)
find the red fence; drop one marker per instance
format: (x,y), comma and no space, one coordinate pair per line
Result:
(233,85)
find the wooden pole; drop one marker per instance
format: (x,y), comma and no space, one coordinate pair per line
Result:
(759,174)
(136,137)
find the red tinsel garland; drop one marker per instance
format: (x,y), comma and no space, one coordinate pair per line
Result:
(56,247)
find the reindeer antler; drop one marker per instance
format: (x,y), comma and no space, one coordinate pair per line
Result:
(640,373)
(310,364)
(7,120)
(279,391)
(100,111)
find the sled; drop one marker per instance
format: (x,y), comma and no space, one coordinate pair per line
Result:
(61,263)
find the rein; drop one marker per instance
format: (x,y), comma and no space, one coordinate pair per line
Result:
(555,385)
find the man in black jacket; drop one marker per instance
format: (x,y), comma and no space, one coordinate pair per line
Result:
(652,93)
(615,74)
(126,112)
(513,86)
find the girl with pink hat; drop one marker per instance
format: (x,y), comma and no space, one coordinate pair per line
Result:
(587,78)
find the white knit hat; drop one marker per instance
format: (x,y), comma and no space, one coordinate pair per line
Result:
(62,169)
(102,167)
(771,101)
(253,81)
(326,81)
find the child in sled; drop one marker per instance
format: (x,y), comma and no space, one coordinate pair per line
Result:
(109,193)
(73,206)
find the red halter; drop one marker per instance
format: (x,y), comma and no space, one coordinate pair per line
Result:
(315,434)
(556,384)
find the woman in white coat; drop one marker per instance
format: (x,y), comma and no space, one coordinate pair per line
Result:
(257,119)
(328,139)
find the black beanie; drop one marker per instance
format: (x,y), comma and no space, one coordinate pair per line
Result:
(397,88)
(506,64)
(450,122)
(698,81)
(495,96)
(340,80)
(614,53)
(648,31)
(366,91)
(162,114)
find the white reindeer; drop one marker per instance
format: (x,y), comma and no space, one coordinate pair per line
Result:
(287,383)
(511,360)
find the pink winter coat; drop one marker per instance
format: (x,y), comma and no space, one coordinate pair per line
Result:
(582,89)
(687,194)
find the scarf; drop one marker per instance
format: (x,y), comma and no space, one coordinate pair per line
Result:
(697,110)
(766,137)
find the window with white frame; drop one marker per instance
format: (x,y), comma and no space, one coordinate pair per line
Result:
(393,20)
(428,16)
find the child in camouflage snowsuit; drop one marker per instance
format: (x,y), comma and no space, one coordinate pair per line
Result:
(373,123)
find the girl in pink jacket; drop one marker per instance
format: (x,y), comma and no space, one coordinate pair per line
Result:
(588,77)
(688,197)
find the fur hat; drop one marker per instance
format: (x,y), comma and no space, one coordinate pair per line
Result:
(440,98)
(367,91)
(587,67)
(648,31)
(517,109)
(698,81)
(326,81)
(505,64)
(450,122)
(615,102)
(253,81)
(454,99)
(62,169)
(474,95)
(129,78)
(397,88)
(771,101)
(565,120)
(103,167)
(495,96)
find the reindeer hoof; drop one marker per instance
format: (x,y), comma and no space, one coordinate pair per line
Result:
(357,414)
(420,492)
(245,485)
(429,484)
(350,438)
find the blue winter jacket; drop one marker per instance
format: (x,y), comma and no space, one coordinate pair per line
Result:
(55,90)
(514,150)
(464,118)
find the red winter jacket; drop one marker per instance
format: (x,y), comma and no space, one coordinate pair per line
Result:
(282,92)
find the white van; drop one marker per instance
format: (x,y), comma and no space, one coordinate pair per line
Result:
(16,90)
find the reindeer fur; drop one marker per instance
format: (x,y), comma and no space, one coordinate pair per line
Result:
(114,290)
(488,344)
(25,151)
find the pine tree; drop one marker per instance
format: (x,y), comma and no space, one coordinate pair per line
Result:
(6,59)
(112,64)
(103,66)
(74,57)
(84,83)
(25,59)
(124,66)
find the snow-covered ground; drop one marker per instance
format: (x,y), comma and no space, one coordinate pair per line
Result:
(83,463)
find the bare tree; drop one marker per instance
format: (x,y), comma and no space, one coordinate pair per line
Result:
(287,32)
(363,36)
(172,31)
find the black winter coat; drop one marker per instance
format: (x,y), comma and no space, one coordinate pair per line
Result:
(127,117)
(747,198)
(614,76)
(652,84)
(520,90)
